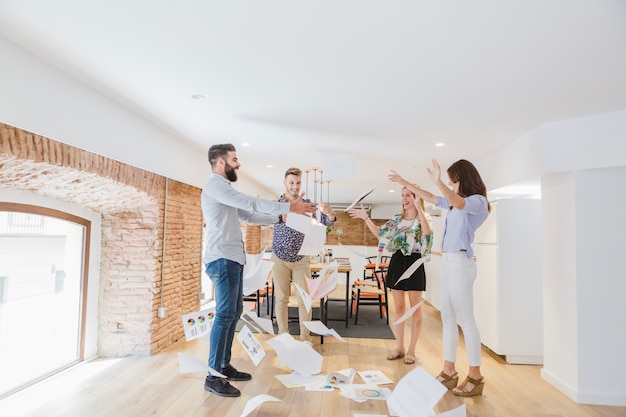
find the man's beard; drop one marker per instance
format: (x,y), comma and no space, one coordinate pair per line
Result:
(230,173)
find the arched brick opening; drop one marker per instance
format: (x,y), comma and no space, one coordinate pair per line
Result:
(132,204)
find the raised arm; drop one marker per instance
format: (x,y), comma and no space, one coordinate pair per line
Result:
(421,193)
(361,213)
(453,198)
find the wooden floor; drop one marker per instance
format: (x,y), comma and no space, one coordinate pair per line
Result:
(153,386)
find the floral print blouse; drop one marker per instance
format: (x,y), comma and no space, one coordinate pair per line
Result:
(405,237)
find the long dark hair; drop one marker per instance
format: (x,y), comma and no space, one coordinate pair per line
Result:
(470,182)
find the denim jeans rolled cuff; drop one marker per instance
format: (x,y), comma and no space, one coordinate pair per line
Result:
(227,279)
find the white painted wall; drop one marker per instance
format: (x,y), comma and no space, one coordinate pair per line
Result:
(48,102)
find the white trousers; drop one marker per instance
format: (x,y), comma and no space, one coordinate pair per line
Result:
(457,306)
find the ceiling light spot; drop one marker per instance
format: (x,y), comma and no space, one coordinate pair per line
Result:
(197,97)
(245,144)
(392,191)
(270,166)
(440,144)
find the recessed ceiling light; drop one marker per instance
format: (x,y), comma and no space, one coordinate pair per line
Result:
(245,144)
(440,144)
(270,166)
(392,191)
(197,97)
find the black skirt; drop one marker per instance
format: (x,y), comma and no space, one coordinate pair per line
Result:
(400,263)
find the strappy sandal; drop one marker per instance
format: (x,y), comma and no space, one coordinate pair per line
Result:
(448,381)
(409,359)
(462,390)
(396,354)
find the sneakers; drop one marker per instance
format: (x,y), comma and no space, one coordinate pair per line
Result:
(234,375)
(221,387)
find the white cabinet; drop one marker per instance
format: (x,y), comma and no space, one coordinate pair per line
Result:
(508,288)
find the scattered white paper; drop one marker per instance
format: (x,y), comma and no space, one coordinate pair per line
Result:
(364,392)
(345,376)
(295,380)
(188,364)
(314,233)
(325,283)
(255,273)
(322,386)
(198,323)
(409,312)
(416,394)
(460,411)
(298,356)
(257,401)
(251,345)
(374,377)
(313,242)
(265,324)
(306,298)
(412,268)
(359,199)
(318,327)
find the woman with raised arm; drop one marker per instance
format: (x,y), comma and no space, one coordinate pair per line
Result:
(409,238)
(468,209)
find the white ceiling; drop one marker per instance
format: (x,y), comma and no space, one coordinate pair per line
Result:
(300,80)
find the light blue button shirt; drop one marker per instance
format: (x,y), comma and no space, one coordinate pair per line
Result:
(460,225)
(223,207)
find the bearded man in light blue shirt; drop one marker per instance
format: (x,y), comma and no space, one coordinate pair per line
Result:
(224,256)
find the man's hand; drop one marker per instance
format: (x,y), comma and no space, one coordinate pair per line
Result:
(300,207)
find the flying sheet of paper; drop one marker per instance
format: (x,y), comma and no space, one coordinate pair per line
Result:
(460,411)
(341,166)
(359,199)
(314,233)
(313,242)
(318,327)
(375,377)
(325,283)
(409,312)
(306,298)
(255,273)
(257,401)
(416,394)
(265,324)
(251,345)
(188,364)
(412,269)
(298,356)
(198,323)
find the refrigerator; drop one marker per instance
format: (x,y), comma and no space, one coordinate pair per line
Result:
(508,302)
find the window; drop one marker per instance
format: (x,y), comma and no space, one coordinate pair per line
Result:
(43,266)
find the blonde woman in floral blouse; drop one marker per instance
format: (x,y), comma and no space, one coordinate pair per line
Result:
(408,238)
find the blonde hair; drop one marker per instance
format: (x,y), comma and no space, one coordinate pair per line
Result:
(421,201)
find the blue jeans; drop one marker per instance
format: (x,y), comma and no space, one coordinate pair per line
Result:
(227,278)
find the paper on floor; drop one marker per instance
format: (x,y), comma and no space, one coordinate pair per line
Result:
(416,394)
(298,356)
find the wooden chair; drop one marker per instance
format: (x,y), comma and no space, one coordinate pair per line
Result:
(370,292)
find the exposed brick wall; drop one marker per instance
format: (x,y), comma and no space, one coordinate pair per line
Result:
(132,203)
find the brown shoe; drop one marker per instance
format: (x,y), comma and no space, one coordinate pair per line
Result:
(463,391)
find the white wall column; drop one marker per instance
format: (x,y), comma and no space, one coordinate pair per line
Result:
(584,284)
